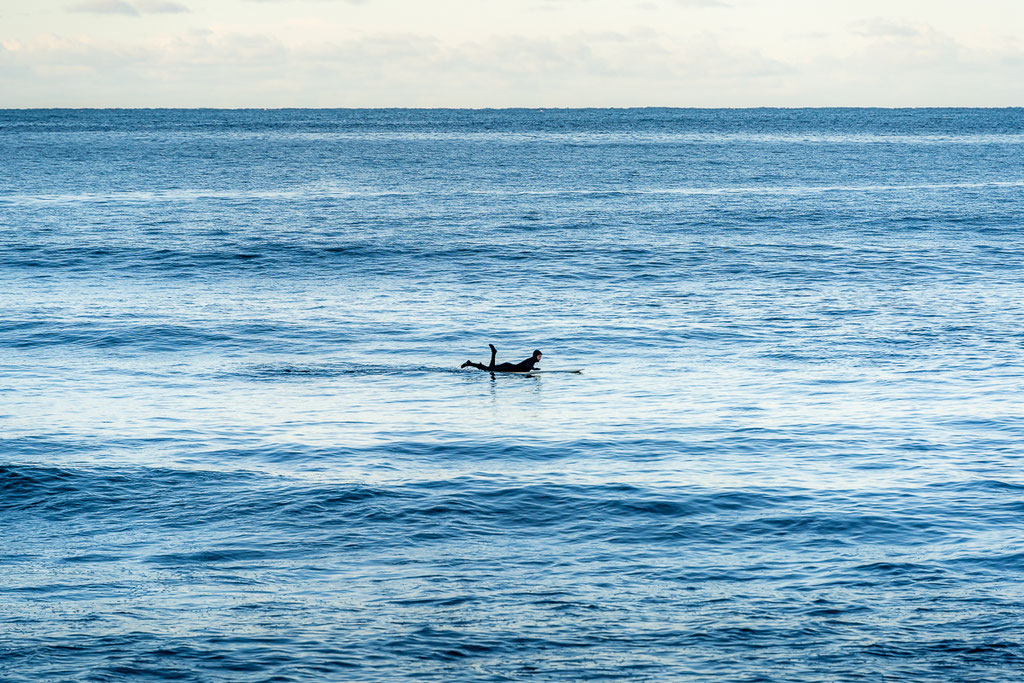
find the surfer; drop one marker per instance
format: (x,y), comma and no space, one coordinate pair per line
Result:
(524,366)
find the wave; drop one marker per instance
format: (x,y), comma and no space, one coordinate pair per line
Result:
(609,512)
(797,123)
(523,256)
(320,193)
(269,574)
(387,259)
(153,336)
(635,137)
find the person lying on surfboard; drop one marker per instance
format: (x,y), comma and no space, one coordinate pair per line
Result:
(524,366)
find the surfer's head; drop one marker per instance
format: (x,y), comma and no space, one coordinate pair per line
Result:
(537,354)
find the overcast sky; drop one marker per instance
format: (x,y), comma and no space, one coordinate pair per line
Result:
(500,53)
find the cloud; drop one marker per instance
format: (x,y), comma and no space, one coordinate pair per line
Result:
(636,67)
(614,68)
(883,28)
(643,4)
(105,7)
(349,2)
(160,7)
(130,9)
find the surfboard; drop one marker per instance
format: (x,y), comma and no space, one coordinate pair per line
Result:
(535,372)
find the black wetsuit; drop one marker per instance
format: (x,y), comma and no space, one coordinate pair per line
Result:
(524,366)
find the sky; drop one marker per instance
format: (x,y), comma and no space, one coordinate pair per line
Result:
(511,53)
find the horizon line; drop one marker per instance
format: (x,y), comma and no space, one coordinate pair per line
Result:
(521,108)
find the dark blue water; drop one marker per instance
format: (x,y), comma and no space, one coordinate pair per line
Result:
(235,443)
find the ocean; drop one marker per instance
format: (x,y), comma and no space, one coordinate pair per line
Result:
(236,443)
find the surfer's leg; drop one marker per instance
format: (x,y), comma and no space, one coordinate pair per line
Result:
(471,364)
(494,352)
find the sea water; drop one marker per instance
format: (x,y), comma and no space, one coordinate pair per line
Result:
(235,443)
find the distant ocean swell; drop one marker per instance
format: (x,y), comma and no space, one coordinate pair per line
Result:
(602,261)
(319,194)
